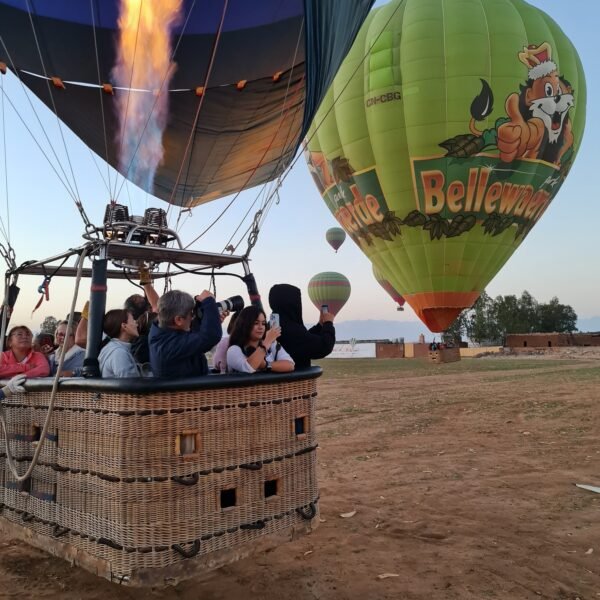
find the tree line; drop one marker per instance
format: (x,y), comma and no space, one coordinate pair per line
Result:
(491,319)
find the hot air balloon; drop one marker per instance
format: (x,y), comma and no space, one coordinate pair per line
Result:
(224,109)
(330,289)
(440,150)
(246,80)
(389,288)
(335,237)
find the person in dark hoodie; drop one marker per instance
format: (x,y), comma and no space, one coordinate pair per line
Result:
(301,344)
(180,339)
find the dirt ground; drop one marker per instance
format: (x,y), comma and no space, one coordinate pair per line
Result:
(462,478)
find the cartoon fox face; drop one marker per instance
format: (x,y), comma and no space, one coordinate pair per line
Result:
(549,99)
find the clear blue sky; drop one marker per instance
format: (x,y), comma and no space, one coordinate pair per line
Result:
(561,256)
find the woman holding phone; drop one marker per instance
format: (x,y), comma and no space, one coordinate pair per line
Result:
(253,348)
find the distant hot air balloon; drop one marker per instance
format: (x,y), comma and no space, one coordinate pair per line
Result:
(443,139)
(389,288)
(335,237)
(332,289)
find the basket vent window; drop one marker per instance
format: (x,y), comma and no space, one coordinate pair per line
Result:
(187,444)
(271,488)
(228,498)
(36,433)
(300,425)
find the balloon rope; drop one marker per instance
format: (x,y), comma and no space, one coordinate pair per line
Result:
(101,95)
(201,100)
(5,230)
(283,113)
(37,43)
(9,455)
(63,179)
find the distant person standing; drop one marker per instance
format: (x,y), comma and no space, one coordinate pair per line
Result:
(302,344)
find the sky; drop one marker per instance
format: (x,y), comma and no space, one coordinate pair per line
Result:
(560,257)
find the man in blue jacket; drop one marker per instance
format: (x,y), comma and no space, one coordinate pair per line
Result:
(187,328)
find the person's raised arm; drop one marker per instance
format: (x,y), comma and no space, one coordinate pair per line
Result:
(82,326)
(151,293)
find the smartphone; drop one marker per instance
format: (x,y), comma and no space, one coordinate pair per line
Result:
(274,320)
(324,309)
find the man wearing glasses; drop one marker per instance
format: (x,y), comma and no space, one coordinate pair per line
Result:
(187,328)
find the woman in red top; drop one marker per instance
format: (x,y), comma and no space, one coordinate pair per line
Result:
(20,356)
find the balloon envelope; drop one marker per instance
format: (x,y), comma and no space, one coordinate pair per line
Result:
(329,288)
(394,294)
(446,133)
(223,134)
(335,237)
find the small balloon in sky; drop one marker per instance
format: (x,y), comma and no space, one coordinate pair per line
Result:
(335,237)
(329,289)
(394,294)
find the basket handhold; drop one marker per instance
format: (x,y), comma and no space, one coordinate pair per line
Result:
(256,466)
(255,525)
(307,512)
(187,553)
(191,480)
(58,531)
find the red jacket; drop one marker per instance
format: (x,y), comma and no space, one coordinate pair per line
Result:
(33,365)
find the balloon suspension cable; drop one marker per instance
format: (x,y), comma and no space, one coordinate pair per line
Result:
(101,94)
(5,230)
(209,69)
(49,87)
(10,460)
(282,116)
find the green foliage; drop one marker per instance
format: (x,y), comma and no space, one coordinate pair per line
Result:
(49,325)
(489,320)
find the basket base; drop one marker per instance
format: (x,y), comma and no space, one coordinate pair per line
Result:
(161,576)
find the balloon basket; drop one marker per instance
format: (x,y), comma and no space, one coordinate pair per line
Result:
(444,355)
(150,482)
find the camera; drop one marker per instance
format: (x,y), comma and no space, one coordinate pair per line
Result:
(232,304)
(324,309)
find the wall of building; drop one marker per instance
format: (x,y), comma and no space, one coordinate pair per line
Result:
(416,350)
(551,340)
(389,350)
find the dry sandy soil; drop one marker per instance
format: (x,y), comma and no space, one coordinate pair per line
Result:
(462,478)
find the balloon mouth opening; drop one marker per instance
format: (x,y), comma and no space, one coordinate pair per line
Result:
(438,310)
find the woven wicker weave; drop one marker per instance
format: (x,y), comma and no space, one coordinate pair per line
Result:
(152,480)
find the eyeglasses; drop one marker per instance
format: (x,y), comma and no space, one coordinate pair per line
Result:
(21,334)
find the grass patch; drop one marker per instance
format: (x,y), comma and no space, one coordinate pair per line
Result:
(361,367)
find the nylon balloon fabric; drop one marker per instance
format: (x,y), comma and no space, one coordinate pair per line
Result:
(272,62)
(330,289)
(445,136)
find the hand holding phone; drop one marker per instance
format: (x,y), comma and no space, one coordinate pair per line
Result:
(324,309)
(274,321)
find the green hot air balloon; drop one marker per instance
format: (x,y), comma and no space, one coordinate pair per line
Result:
(394,294)
(335,237)
(444,137)
(331,289)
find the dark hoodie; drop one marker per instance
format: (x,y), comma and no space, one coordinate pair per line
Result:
(301,344)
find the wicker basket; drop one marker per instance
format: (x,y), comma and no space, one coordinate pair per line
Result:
(149,482)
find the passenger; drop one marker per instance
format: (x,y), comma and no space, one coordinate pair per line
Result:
(20,356)
(187,328)
(140,306)
(74,354)
(254,348)
(302,344)
(44,343)
(115,356)
(220,355)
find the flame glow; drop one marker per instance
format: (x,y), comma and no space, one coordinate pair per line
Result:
(144,65)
